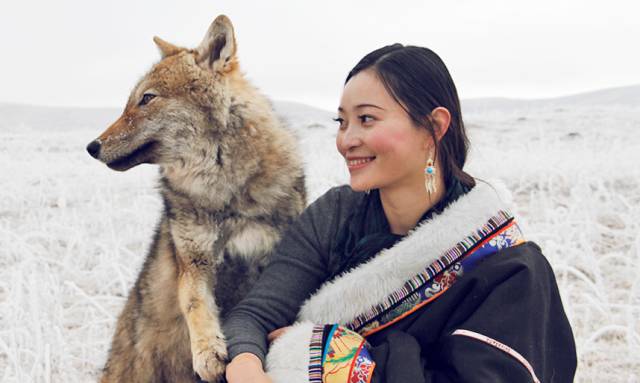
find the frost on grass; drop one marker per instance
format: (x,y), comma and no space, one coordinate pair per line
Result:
(74,233)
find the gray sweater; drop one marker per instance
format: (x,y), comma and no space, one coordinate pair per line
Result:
(297,269)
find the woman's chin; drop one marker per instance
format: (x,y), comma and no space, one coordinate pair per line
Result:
(360,187)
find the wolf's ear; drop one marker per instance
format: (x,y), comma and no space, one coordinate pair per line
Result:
(166,49)
(217,51)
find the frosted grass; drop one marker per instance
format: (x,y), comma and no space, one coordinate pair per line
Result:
(73,233)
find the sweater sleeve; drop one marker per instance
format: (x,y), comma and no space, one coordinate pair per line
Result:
(297,268)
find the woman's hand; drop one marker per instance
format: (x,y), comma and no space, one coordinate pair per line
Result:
(246,368)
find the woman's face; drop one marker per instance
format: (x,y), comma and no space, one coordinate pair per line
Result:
(381,145)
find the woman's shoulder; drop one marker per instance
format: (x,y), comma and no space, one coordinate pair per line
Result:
(344,192)
(528,254)
(525,262)
(340,199)
(324,216)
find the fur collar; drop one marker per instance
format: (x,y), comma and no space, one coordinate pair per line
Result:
(353,293)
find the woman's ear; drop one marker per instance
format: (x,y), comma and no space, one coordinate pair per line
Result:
(442,119)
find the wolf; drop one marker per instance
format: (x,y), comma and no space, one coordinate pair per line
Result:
(231,180)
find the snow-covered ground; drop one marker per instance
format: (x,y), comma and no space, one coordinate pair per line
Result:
(73,233)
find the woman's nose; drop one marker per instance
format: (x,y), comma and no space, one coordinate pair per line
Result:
(351,138)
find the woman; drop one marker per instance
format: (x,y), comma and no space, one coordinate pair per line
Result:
(413,273)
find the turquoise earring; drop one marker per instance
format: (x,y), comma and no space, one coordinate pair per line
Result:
(430,177)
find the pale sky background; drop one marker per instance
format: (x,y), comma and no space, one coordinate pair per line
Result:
(91,53)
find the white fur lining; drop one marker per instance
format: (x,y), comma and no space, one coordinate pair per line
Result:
(288,358)
(353,293)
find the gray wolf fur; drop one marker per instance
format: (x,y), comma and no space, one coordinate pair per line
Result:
(231,180)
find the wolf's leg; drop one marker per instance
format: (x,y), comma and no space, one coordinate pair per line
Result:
(202,316)
(151,341)
(124,362)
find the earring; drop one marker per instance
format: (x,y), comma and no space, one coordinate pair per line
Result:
(430,177)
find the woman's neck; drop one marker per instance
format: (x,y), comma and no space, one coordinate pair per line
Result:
(404,205)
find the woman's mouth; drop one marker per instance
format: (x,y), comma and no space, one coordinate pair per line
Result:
(359,163)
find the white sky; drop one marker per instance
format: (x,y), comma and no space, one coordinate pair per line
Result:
(90,53)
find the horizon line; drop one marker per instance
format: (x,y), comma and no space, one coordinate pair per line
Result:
(14,103)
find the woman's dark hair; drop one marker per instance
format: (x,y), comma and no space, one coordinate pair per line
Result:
(419,81)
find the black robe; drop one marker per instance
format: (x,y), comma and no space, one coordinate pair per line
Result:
(512,297)
(502,321)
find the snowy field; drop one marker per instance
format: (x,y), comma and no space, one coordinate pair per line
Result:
(73,233)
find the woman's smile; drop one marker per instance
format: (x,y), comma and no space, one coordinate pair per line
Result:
(355,163)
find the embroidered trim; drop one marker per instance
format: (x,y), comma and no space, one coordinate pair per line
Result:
(345,358)
(328,342)
(508,235)
(501,346)
(315,354)
(362,371)
(404,301)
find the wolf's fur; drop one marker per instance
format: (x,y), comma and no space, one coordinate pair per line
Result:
(231,180)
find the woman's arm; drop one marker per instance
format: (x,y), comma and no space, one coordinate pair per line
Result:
(297,268)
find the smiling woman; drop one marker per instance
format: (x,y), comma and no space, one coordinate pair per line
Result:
(416,271)
(378,136)
(384,149)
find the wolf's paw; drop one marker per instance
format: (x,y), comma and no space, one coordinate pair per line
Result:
(210,359)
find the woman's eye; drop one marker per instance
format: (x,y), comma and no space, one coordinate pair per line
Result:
(146,98)
(365,118)
(340,121)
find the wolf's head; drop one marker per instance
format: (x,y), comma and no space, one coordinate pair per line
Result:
(184,100)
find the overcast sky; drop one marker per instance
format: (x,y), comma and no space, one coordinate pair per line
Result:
(91,53)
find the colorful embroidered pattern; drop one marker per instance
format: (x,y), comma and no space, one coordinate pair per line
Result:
(315,354)
(363,367)
(345,358)
(499,232)
(413,302)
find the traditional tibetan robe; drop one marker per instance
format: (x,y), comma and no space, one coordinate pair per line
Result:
(464,297)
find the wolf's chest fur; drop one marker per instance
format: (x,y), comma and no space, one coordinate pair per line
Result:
(232,247)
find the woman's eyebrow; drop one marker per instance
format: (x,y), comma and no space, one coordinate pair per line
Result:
(359,106)
(370,105)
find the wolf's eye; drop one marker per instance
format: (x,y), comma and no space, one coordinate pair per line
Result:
(146,98)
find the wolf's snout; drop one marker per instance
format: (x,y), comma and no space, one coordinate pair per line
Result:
(94,148)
